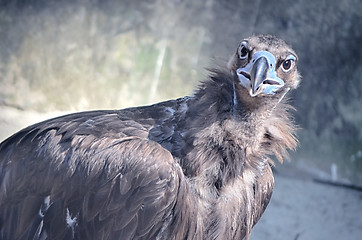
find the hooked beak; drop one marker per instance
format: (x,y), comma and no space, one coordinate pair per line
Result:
(259,75)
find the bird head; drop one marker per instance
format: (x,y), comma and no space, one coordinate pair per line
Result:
(265,66)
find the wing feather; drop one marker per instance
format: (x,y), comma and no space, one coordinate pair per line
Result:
(263,192)
(67,181)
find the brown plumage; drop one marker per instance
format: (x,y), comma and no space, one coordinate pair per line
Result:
(192,168)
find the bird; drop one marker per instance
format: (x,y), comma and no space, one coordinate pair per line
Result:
(196,167)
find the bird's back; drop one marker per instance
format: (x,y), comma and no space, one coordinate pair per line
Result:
(89,175)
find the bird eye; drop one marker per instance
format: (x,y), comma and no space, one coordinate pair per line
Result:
(288,63)
(243,51)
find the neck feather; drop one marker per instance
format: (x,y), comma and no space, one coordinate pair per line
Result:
(227,131)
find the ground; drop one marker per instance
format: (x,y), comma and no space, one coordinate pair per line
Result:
(300,208)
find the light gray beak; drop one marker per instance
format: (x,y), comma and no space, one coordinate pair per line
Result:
(259,75)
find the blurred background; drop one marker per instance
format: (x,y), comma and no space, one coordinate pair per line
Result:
(64,56)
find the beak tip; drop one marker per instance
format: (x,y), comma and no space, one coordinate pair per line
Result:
(253,92)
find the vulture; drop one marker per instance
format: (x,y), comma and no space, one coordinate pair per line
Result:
(197,167)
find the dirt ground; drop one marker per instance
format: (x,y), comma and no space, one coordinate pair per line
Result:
(300,209)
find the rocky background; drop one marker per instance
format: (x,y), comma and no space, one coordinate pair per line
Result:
(100,54)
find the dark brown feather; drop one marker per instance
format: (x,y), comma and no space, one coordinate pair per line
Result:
(193,168)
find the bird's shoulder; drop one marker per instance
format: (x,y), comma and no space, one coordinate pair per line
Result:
(89,166)
(89,139)
(117,124)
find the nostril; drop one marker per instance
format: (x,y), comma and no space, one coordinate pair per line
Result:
(245,74)
(271,82)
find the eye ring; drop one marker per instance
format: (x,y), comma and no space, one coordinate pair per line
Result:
(243,51)
(288,63)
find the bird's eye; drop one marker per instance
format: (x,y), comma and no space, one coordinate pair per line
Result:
(288,63)
(243,51)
